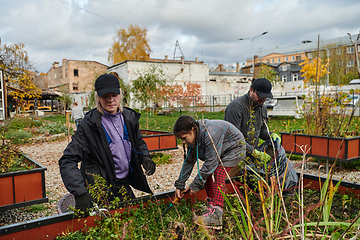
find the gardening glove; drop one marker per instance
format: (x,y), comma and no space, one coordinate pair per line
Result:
(84,203)
(275,137)
(149,165)
(262,155)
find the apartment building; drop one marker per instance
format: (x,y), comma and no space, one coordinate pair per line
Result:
(296,53)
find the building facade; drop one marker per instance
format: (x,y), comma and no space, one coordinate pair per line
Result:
(183,72)
(73,76)
(341,49)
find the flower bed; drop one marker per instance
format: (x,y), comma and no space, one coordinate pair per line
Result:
(159,140)
(142,219)
(322,147)
(23,188)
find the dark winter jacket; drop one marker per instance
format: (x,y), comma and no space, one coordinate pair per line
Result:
(89,146)
(238,113)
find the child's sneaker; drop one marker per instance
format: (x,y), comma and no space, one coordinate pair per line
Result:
(212,219)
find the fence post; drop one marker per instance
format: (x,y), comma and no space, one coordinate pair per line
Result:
(213,102)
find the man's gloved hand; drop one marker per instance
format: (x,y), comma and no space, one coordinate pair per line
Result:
(84,203)
(262,155)
(275,137)
(149,165)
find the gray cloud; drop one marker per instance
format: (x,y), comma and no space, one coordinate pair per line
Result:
(84,29)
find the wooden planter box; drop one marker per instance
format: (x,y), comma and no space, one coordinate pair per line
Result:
(50,227)
(322,147)
(23,188)
(158,140)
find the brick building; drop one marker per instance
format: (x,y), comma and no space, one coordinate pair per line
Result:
(73,76)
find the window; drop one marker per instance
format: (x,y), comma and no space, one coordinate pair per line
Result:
(286,59)
(65,72)
(350,49)
(339,51)
(272,60)
(55,76)
(340,64)
(350,63)
(298,58)
(285,67)
(213,79)
(278,60)
(284,78)
(295,77)
(268,61)
(293,58)
(75,86)
(76,72)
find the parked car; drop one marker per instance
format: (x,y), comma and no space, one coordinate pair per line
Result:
(270,103)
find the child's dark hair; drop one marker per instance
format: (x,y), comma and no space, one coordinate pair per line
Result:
(185,124)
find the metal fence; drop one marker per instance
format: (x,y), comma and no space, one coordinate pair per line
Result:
(207,103)
(216,103)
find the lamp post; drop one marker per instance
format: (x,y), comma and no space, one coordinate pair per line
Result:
(252,50)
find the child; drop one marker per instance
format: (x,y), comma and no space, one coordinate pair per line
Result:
(202,137)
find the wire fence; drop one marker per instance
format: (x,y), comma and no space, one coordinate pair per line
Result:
(206,103)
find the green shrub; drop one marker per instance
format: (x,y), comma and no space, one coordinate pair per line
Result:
(24,122)
(11,160)
(18,136)
(160,158)
(55,128)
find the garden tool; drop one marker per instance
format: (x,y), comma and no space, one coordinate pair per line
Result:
(98,211)
(176,200)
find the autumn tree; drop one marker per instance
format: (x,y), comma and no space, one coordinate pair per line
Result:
(18,71)
(129,44)
(270,74)
(313,70)
(150,86)
(191,92)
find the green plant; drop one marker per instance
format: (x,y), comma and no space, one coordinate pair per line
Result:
(12,159)
(161,158)
(55,128)
(24,122)
(18,136)
(36,208)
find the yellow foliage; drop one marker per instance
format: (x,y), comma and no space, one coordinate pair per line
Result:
(129,44)
(309,67)
(17,71)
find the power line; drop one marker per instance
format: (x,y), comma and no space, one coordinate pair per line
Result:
(49,40)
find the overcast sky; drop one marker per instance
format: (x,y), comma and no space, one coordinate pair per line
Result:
(84,29)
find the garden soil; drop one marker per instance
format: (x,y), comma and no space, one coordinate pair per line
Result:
(48,154)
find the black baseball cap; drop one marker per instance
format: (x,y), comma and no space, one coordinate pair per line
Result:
(107,83)
(262,86)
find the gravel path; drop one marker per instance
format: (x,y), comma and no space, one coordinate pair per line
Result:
(48,154)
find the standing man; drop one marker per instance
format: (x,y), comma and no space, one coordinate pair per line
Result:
(77,114)
(249,114)
(109,144)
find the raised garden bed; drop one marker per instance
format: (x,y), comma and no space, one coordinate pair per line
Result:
(159,140)
(50,227)
(23,188)
(322,147)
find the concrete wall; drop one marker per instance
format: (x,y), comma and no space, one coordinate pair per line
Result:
(183,73)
